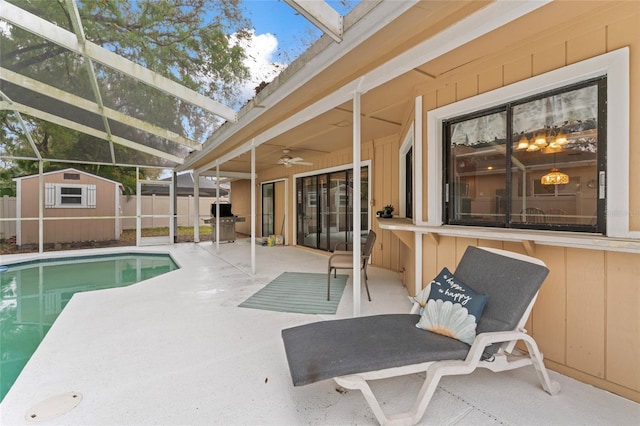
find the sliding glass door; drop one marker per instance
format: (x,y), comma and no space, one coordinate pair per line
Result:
(324,208)
(268,209)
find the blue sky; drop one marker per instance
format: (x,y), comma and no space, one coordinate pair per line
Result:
(281,35)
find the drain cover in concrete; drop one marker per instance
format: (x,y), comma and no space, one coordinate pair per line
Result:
(53,407)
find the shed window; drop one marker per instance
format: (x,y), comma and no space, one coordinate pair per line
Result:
(70,196)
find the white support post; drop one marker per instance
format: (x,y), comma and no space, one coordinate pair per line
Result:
(218,208)
(418,165)
(357,278)
(173,201)
(40,207)
(196,207)
(138,208)
(418,262)
(253,209)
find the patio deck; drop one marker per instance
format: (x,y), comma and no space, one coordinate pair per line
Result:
(177,349)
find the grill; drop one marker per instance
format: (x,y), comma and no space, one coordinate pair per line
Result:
(227,223)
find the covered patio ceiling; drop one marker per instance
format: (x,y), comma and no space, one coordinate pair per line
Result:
(87,100)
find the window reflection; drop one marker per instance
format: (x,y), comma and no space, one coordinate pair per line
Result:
(549,146)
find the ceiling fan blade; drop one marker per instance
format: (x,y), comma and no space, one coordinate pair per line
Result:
(303,163)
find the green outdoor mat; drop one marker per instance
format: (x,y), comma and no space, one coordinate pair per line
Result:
(299,292)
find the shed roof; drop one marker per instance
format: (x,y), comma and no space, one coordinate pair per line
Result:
(69,170)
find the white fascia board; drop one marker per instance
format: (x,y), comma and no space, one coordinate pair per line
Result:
(321,15)
(93,132)
(494,16)
(82,103)
(40,27)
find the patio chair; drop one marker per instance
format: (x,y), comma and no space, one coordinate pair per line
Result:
(355,350)
(341,259)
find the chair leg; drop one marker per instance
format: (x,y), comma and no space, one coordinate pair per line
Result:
(366,284)
(329,284)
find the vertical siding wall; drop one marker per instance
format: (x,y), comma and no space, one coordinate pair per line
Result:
(384,156)
(57,231)
(587,317)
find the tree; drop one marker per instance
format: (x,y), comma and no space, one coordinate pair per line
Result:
(185,40)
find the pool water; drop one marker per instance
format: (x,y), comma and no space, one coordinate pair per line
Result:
(32,295)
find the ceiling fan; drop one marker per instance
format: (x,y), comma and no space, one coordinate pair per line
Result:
(287,160)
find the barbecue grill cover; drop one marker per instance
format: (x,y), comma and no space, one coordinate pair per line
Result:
(225,210)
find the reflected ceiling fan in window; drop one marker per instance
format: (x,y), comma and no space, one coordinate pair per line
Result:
(287,160)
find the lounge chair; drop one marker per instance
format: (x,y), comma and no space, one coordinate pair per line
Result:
(352,351)
(343,259)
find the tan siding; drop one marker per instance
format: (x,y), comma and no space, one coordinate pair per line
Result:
(550,311)
(446,95)
(278,214)
(490,79)
(626,32)
(623,319)
(549,58)
(241,204)
(517,70)
(586,311)
(69,230)
(467,87)
(586,46)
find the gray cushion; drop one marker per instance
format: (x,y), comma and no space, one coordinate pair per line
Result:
(510,284)
(328,349)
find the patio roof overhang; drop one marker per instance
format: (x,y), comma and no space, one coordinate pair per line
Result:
(386,51)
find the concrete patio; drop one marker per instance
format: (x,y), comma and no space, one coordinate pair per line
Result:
(177,350)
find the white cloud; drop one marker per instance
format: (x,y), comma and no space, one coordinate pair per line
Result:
(5,29)
(260,50)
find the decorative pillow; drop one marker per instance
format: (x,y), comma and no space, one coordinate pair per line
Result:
(421,298)
(452,308)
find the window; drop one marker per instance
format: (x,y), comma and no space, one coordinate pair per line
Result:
(69,196)
(616,186)
(535,163)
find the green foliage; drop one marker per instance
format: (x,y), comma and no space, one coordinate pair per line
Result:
(188,41)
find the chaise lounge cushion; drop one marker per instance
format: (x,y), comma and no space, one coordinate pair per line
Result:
(510,283)
(328,349)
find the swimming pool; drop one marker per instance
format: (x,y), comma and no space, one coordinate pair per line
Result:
(32,295)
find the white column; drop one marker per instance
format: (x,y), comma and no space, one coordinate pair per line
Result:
(253,208)
(196,207)
(40,208)
(138,208)
(217,207)
(357,278)
(173,219)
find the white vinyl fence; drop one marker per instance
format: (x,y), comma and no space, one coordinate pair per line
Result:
(155,211)
(158,206)
(7,211)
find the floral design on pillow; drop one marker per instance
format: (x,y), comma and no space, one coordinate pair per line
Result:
(421,298)
(452,308)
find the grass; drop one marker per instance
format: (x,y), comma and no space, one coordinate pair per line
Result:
(128,238)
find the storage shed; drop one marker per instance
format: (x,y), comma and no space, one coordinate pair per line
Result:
(78,197)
